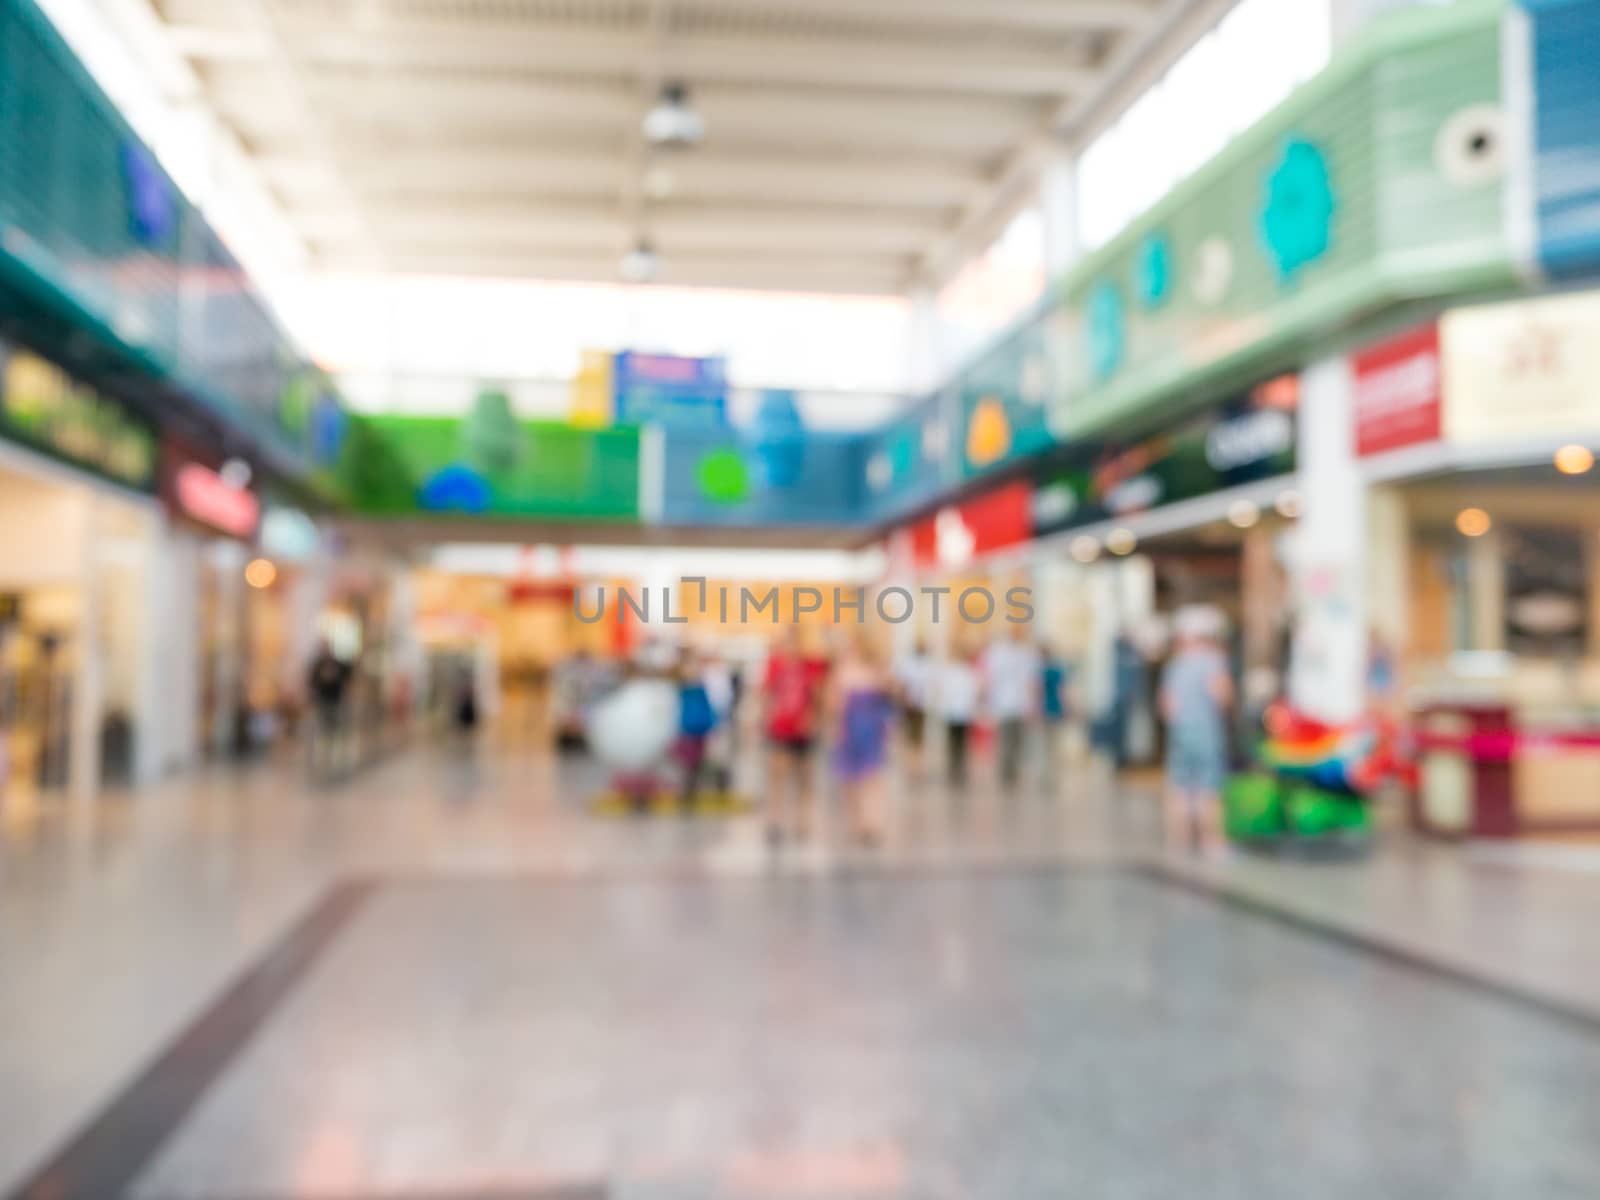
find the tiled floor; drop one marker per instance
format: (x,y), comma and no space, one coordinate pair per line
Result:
(531,999)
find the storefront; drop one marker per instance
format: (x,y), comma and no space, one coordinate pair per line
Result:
(79,655)
(1476,437)
(1200,511)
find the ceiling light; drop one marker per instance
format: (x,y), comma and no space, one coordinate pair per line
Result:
(1288,504)
(673,123)
(1242,514)
(641,264)
(1121,541)
(1574,459)
(1473,522)
(1085,549)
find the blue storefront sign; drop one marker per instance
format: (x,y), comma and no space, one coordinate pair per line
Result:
(670,389)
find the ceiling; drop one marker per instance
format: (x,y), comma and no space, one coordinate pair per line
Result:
(851,145)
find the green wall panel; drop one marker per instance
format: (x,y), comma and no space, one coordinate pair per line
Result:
(490,464)
(1332,207)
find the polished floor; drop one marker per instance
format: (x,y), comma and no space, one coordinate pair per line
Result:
(448,978)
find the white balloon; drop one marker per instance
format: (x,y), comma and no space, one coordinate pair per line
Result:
(634,726)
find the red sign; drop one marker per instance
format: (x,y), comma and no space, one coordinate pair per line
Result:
(1397,392)
(959,533)
(208,498)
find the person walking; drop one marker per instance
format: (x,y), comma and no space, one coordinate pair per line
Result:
(861,699)
(1011,679)
(327,682)
(792,691)
(1196,693)
(958,690)
(697,717)
(1055,682)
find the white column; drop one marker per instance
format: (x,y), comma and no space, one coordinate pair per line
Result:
(152,688)
(1058,209)
(1328,674)
(88,691)
(928,363)
(177,623)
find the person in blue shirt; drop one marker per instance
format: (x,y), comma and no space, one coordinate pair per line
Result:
(1055,680)
(697,717)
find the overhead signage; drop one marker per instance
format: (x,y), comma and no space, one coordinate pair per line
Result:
(43,407)
(670,389)
(1249,438)
(1529,369)
(959,533)
(591,391)
(205,496)
(1398,395)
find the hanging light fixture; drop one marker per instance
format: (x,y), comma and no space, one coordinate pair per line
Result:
(673,122)
(642,263)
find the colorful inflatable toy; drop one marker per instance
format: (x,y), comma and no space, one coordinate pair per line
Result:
(1313,791)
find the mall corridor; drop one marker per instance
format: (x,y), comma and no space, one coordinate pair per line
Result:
(449,977)
(799,599)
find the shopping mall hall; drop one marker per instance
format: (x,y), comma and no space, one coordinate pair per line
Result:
(799,599)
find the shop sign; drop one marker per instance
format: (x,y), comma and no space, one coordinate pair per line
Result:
(959,533)
(1249,438)
(41,406)
(670,388)
(1525,370)
(205,496)
(1397,392)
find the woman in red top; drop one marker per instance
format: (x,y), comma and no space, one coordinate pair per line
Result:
(792,691)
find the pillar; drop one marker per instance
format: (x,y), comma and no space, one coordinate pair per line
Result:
(1327,678)
(927,365)
(1058,209)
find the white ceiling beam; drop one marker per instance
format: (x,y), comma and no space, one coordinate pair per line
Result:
(384,105)
(709,231)
(1030,16)
(813,61)
(854,275)
(488,171)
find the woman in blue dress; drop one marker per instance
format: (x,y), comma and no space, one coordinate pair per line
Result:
(862,701)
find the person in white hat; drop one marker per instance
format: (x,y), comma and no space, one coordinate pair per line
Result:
(1196,692)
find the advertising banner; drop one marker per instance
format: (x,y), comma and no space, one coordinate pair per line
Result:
(1525,370)
(1397,392)
(1248,438)
(591,390)
(43,407)
(490,463)
(961,532)
(670,389)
